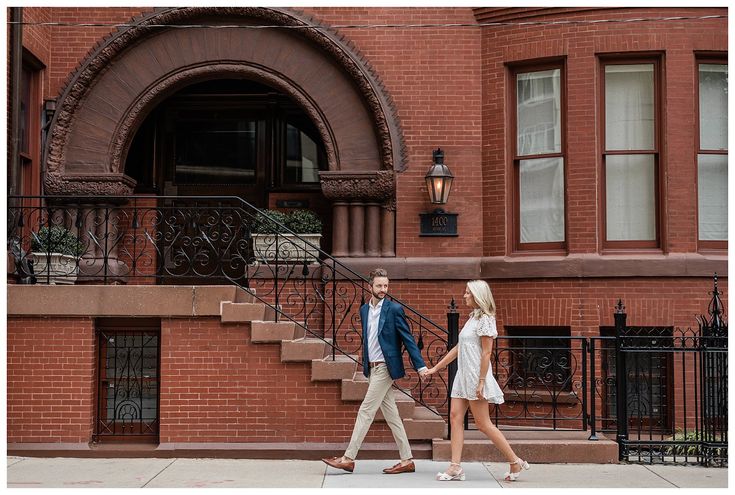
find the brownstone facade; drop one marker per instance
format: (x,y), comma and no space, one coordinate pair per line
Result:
(381,99)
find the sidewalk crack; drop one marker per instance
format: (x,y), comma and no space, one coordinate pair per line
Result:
(667,481)
(18,461)
(162,470)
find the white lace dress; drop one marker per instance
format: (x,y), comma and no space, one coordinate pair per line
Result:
(468,362)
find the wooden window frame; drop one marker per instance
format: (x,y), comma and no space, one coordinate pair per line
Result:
(720,247)
(516,246)
(29,180)
(628,246)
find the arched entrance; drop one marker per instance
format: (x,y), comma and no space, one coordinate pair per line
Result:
(228,137)
(129,74)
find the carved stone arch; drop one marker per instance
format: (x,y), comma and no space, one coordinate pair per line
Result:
(130,71)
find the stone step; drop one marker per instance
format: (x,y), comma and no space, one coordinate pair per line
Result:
(534,446)
(241,312)
(327,369)
(244,296)
(305,349)
(355,388)
(425,425)
(271,332)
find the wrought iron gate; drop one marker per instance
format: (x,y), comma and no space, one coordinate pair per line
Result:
(128,381)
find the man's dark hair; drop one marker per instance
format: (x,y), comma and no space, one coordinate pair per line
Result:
(378,272)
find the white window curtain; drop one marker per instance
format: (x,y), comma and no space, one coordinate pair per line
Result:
(712,168)
(712,197)
(630,193)
(713,106)
(629,107)
(542,200)
(539,112)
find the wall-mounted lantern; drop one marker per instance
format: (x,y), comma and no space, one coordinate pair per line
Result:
(439,179)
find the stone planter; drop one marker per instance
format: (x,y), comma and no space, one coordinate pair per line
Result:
(63,269)
(290,247)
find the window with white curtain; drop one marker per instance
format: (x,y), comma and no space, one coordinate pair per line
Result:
(712,155)
(631,153)
(539,158)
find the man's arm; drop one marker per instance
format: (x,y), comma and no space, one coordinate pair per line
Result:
(404,331)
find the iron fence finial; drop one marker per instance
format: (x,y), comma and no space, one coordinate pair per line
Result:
(620,307)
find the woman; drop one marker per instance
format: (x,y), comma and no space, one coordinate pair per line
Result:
(474,386)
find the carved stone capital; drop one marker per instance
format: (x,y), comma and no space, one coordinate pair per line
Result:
(88,185)
(373,186)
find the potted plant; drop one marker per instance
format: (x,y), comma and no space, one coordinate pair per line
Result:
(55,252)
(267,234)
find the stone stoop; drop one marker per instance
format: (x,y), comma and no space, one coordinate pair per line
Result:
(421,423)
(546,446)
(241,312)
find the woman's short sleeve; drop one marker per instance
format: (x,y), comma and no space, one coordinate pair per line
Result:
(487,326)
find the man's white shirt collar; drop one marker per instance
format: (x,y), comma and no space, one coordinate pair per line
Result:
(379,305)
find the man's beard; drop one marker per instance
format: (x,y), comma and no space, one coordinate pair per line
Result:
(378,295)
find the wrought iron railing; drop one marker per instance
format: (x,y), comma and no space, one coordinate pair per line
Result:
(175,239)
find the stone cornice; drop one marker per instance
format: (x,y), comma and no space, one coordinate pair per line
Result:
(89,184)
(377,186)
(523,268)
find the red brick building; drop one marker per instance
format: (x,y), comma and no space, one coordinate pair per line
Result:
(590,164)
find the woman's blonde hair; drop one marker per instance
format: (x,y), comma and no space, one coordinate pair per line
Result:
(483,297)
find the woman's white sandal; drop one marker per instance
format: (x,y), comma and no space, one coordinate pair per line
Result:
(451,477)
(511,476)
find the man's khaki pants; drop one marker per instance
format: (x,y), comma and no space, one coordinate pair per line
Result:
(379,395)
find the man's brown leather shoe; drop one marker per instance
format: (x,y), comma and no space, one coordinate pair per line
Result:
(336,462)
(398,468)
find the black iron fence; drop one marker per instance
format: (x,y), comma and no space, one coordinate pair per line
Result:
(671,400)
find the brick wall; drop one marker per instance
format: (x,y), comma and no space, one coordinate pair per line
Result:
(51,365)
(218,387)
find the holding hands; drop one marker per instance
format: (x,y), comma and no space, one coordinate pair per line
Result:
(425,373)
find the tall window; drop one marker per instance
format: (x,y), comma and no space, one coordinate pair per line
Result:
(712,154)
(538,161)
(28,180)
(631,153)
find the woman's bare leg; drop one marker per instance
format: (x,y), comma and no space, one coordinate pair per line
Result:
(456,419)
(481,414)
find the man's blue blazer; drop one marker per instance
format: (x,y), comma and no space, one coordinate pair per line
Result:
(392,331)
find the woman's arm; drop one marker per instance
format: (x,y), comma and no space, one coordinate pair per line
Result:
(487,350)
(448,358)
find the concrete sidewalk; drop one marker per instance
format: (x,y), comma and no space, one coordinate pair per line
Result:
(249,473)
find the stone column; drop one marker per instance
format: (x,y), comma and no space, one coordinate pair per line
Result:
(388,229)
(357,229)
(340,228)
(372,229)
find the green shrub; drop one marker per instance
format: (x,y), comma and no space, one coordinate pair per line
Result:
(299,221)
(57,239)
(304,222)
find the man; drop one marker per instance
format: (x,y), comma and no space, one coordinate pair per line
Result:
(384,329)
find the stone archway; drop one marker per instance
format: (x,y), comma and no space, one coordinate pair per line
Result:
(132,70)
